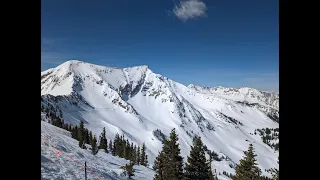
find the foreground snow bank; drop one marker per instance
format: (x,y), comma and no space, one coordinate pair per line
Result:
(68,164)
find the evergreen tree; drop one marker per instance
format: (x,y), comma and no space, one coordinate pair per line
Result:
(90,137)
(64,127)
(94,145)
(123,147)
(114,150)
(175,165)
(129,169)
(247,169)
(127,150)
(119,149)
(131,152)
(143,161)
(111,146)
(275,172)
(138,155)
(159,166)
(134,154)
(73,133)
(211,176)
(76,133)
(146,160)
(169,164)
(86,137)
(62,122)
(268,131)
(197,166)
(81,134)
(103,141)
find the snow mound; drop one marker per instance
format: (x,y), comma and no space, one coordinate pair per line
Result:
(69,163)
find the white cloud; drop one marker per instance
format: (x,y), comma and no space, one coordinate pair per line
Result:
(189,9)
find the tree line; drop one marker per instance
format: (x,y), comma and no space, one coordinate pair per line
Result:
(54,115)
(119,147)
(169,163)
(269,134)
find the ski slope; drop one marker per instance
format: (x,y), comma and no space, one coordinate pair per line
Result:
(68,165)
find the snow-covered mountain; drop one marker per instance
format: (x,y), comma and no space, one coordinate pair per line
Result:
(141,104)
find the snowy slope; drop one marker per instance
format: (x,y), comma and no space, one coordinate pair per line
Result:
(69,163)
(136,102)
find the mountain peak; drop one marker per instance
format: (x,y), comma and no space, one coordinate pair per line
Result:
(70,62)
(73,61)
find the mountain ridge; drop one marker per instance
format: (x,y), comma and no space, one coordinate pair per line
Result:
(136,102)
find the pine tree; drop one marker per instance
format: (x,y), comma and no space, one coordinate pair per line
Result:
(134,154)
(90,137)
(76,132)
(138,155)
(94,145)
(131,150)
(129,169)
(169,163)
(86,137)
(114,150)
(103,141)
(81,134)
(119,145)
(197,166)
(111,146)
(143,161)
(211,176)
(146,160)
(159,166)
(247,169)
(275,172)
(175,164)
(123,147)
(73,134)
(127,150)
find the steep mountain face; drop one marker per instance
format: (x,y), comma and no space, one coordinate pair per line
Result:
(145,106)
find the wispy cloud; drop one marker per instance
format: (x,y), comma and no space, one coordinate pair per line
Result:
(189,9)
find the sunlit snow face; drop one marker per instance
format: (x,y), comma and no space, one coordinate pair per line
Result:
(136,102)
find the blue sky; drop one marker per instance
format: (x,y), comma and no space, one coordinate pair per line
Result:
(203,42)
